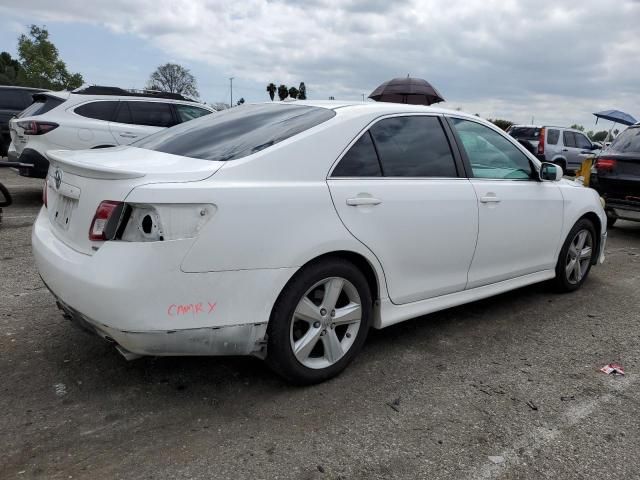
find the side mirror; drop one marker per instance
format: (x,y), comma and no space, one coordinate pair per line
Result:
(550,172)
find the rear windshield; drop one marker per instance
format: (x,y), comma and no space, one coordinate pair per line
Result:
(41,104)
(627,142)
(237,132)
(525,133)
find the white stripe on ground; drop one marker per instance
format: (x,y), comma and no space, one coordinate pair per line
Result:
(19,216)
(541,436)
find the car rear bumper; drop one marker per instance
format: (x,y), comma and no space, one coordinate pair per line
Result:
(136,295)
(624,209)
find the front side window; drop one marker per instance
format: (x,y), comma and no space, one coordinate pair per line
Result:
(360,161)
(97,110)
(189,112)
(413,146)
(153,114)
(582,141)
(569,139)
(490,154)
(236,132)
(552,136)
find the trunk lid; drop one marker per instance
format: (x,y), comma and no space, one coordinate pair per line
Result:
(79,180)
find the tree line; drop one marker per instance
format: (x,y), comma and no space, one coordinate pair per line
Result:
(299,93)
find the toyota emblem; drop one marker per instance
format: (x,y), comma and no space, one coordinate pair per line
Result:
(57,177)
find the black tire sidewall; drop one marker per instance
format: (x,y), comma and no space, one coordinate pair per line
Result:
(561,276)
(280,356)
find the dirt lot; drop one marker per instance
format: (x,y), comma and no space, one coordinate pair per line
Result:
(504,388)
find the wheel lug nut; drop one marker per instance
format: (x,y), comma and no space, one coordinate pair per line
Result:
(323,312)
(323,332)
(348,335)
(316,324)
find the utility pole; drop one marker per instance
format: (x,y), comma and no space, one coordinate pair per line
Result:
(363,97)
(231,85)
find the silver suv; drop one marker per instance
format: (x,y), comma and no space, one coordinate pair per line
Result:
(566,147)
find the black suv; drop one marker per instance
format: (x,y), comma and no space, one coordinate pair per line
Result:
(12,101)
(617,176)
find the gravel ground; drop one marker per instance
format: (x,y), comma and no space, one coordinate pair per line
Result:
(504,388)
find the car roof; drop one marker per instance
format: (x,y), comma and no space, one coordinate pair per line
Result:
(381,108)
(17,87)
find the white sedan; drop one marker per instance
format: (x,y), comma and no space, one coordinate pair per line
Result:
(287,230)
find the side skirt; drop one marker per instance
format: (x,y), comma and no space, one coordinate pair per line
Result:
(389,314)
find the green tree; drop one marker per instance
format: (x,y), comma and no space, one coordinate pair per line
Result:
(283,92)
(41,63)
(302,91)
(503,124)
(575,126)
(599,136)
(294,92)
(173,78)
(11,72)
(271,88)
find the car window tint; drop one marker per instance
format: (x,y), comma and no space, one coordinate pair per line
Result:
(153,114)
(124,113)
(189,112)
(360,161)
(40,105)
(552,136)
(491,155)
(627,142)
(526,133)
(236,132)
(569,139)
(97,110)
(413,147)
(12,99)
(582,141)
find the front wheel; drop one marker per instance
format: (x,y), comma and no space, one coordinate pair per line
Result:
(319,322)
(574,262)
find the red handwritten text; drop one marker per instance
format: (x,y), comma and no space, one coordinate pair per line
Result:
(178,310)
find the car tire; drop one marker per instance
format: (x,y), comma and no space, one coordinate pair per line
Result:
(562,164)
(574,262)
(611,219)
(308,341)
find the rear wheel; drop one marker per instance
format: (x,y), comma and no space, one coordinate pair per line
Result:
(574,262)
(319,322)
(562,164)
(611,218)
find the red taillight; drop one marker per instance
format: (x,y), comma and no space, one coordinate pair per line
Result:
(44,192)
(32,127)
(541,142)
(605,164)
(104,213)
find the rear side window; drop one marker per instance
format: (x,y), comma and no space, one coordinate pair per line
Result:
(627,142)
(189,112)
(41,104)
(153,114)
(569,139)
(97,110)
(360,161)
(12,99)
(413,147)
(552,136)
(236,132)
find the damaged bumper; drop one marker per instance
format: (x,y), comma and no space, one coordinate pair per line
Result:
(247,339)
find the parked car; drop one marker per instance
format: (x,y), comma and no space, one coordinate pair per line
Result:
(93,117)
(617,176)
(565,147)
(12,101)
(287,230)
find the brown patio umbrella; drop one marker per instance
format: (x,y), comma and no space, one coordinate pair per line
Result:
(414,91)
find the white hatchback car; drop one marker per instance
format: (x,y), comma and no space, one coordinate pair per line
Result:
(287,230)
(92,117)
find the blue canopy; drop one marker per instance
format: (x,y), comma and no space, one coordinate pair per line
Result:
(616,116)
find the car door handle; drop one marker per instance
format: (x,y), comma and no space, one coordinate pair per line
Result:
(354,202)
(565,149)
(489,199)
(128,135)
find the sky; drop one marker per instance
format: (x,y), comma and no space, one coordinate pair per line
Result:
(552,61)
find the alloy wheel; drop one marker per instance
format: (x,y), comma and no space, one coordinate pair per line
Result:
(325,322)
(579,256)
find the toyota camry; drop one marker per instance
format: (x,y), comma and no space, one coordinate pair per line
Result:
(288,230)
